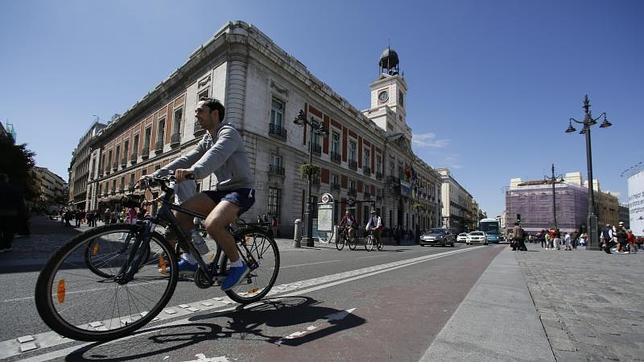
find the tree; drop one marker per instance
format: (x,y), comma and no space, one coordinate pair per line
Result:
(17,162)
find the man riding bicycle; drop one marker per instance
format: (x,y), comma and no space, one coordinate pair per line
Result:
(221,153)
(347,223)
(375,225)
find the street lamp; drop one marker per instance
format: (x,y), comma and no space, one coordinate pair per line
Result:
(588,122)
(318,129)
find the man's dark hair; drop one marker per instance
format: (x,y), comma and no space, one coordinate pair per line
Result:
(214,104)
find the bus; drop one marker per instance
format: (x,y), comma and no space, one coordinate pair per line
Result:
(491,229)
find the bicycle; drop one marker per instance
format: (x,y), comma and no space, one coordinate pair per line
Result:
(370,242)
(345,237)
(132,273)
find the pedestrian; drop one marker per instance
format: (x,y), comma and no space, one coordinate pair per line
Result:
(630,238)
(274,226)
(606,237)
(518,236)
(567,242)
(620,234)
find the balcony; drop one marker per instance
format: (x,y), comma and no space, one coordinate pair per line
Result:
(366,170)
(336,157)
(198,130)
(276,170)
(335,187)
(124,162)
(133,158)
(175,140)
(352,192)
(277,131)
(115,166)
(113,192)
(145,154)
(378,175)
(353,164)
(158,147)
(316,149)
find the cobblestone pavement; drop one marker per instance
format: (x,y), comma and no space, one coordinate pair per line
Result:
(590,303)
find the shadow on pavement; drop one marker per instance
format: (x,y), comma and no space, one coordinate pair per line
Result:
(250,322)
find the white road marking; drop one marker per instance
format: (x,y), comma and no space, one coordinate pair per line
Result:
(50,339)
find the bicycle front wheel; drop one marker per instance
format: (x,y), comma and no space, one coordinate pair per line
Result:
(368,243)
(259,247)
(353,242)
(79,303)
(339,242)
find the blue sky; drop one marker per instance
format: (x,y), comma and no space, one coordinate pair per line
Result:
(491,83)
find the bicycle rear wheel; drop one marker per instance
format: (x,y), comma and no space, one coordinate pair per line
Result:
(76,302)
(257,245)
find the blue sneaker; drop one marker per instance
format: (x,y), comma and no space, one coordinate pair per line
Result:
(235,275)
(186,268)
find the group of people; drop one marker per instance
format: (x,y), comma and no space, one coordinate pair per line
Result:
(107,216)
(349,225)
(612,238)
(618,239)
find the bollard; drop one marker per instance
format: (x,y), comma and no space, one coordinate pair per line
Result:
(297,234)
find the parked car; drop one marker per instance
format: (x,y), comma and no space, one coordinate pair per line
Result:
(476,237)
(461,238)
(438,236)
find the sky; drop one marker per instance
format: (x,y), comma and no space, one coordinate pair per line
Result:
(492,84)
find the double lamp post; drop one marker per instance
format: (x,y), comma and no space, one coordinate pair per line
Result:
(316,128)
(593,231)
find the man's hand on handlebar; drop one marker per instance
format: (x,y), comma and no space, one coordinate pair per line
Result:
(182,174)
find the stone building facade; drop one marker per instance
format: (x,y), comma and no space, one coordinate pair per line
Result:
(79,168)
(459,209)
(366,155)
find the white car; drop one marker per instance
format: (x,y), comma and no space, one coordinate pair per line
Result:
(476,237)
(461,238)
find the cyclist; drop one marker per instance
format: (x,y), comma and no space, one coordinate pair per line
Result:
(221,153)
(375,225)
(347,223)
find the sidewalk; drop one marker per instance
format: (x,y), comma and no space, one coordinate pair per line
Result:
(549,305)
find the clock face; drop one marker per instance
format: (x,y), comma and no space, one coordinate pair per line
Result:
(383,96)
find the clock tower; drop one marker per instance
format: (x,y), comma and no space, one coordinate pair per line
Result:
(388,95)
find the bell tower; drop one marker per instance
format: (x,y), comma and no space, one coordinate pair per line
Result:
(388,95)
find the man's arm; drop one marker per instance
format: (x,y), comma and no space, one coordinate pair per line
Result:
(184,161)
(228,140)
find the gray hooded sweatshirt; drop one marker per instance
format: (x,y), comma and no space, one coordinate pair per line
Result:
(223,156)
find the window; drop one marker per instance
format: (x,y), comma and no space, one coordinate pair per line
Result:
(176,126)
(366,161)
(276,160)
(131,180)
(274,202)
(335,142)
(161,133)
(147,139)
(352,151)
(401,99)
(277,113)
(126,148)
(135,147)
(118,153)
(335,180)
(378,164)
(202,94)
(109,159)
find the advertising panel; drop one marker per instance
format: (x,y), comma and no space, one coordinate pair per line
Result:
(636,203)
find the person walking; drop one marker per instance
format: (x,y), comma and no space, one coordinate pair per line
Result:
(274,226)
(630,238)
(567,242)
(518,236)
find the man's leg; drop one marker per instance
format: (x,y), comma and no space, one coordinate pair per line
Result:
(217,221)
(199,203)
